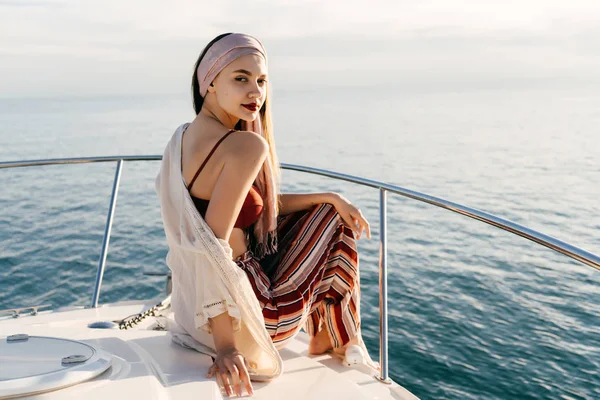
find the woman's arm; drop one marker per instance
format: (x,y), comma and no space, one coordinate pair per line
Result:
(246,155)
(291,202)
(351,215)
(222,328)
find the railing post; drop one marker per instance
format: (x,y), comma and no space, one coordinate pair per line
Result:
(383,301)
(107,229)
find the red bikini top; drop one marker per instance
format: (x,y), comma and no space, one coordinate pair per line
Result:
(253,203)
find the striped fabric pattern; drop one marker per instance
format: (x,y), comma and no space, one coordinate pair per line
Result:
(315,283)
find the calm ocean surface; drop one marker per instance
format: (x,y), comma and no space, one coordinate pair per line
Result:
(475,312)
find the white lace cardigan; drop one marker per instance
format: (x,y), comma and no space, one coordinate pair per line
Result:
(206,280)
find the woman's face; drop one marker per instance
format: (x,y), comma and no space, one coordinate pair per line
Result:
(241,87)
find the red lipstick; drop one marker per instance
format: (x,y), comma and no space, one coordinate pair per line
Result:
(251,106)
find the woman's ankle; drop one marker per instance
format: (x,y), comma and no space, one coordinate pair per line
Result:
(356,340)
(320,343)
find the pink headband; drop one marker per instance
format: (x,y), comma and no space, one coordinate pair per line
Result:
(222,53)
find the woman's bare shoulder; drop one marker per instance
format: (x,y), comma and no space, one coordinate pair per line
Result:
(246,142)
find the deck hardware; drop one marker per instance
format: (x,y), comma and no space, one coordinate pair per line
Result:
(19,337)
(103,325)
(16,312)
(75,359)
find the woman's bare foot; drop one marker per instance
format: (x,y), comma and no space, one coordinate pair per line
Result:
(320,343)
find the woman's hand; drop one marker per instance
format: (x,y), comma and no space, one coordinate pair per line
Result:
(351,215)
(230,367)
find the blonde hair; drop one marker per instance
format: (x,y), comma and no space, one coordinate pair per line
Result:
(267,126)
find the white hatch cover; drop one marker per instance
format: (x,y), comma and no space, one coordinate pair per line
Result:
(35,364)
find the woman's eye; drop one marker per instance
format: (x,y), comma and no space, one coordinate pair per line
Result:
(244,79)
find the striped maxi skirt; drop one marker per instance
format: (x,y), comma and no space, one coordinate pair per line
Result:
(312,282)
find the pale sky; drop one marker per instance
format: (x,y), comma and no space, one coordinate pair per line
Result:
(79,47)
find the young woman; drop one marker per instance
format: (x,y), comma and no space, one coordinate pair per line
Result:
(296,251)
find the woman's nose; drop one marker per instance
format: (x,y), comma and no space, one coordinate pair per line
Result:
(255,91)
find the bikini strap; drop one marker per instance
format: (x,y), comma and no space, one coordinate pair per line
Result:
(207,158)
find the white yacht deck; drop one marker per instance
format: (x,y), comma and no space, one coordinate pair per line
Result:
(148,365)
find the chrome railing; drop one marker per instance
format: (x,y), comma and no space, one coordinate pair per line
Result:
(575,253)
(107,230)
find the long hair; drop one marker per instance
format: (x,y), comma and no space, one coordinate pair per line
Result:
(267,241)
(267,128)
